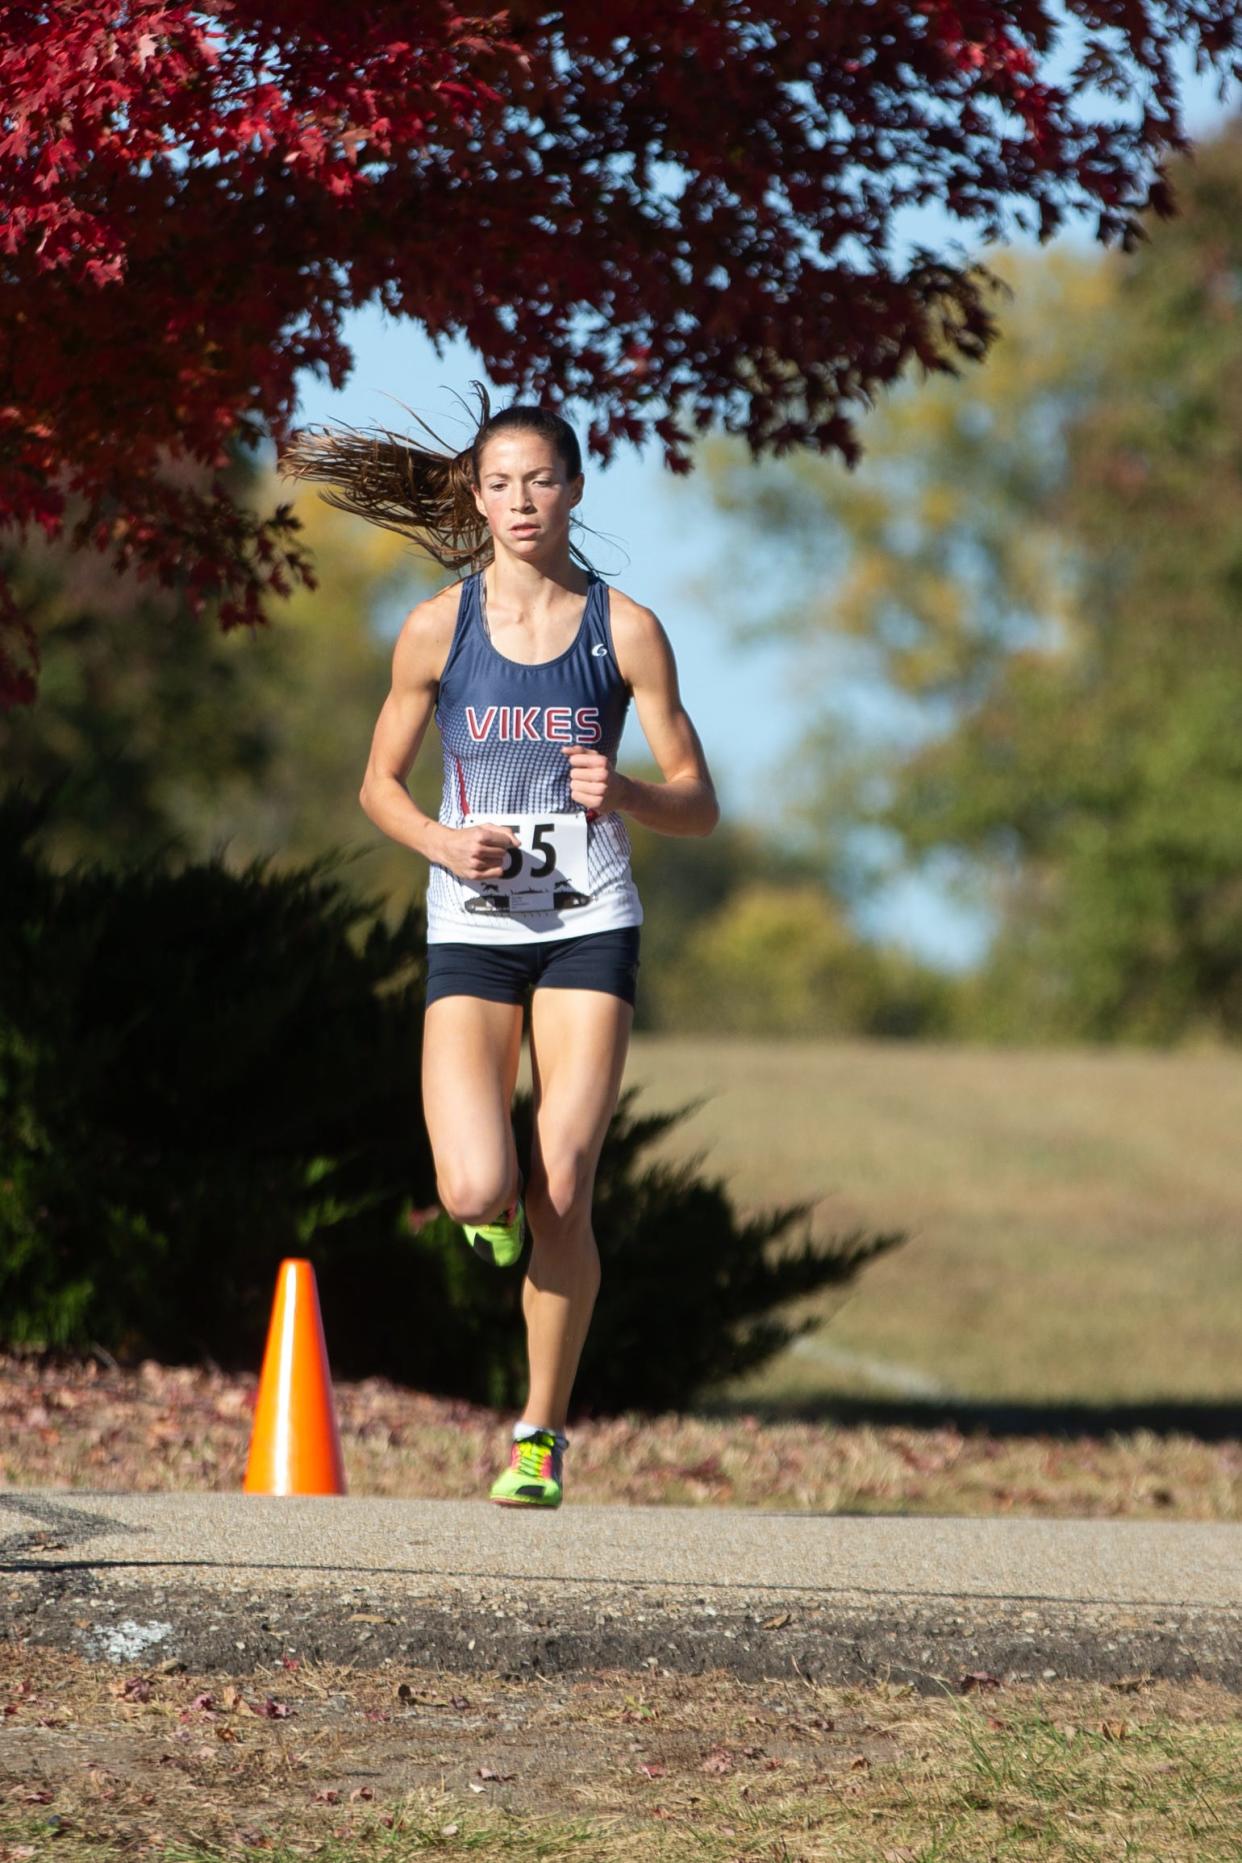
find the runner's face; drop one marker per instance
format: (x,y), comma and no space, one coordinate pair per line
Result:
(524,494)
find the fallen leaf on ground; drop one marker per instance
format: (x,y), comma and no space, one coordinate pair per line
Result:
(977,1678)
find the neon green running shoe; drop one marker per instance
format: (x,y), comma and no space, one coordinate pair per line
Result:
(501,1242)
(533,1477)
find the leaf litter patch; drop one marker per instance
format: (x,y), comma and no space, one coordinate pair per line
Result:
(69,1423)
(308,1757)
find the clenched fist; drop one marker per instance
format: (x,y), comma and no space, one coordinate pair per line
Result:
(481,853)
(594,781)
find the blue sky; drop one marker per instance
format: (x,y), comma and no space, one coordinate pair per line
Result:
(751,704)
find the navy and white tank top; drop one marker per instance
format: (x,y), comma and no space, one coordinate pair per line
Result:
(502,725)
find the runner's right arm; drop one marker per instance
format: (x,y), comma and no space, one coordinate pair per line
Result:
(417,662)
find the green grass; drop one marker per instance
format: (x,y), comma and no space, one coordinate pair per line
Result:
(1074,1216)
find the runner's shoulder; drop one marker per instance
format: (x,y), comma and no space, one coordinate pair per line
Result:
(637,631)
(426,636)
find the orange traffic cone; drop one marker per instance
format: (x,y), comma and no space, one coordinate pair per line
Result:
(295,1447)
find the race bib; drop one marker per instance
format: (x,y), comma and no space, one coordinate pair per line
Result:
(546,872)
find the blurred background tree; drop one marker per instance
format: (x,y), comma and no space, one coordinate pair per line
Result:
(784,960)
(162,736)
(1039,568)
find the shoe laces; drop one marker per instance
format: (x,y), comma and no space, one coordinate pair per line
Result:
(537,1457)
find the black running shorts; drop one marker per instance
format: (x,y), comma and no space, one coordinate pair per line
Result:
(606,960)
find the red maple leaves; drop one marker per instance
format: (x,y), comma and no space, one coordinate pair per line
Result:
(667,214)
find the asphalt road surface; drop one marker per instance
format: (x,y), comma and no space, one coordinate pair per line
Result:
(234,1581)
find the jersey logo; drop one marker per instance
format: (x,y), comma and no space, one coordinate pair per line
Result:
(551,724)
(599,650)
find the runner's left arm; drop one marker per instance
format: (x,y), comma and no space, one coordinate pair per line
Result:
(685,802)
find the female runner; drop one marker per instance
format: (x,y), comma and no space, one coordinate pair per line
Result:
(528,666)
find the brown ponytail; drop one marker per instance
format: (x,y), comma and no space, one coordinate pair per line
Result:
(408,487)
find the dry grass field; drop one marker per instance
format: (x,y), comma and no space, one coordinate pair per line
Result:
(1075,1216)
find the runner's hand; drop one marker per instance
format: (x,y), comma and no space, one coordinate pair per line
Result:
(593,779)
(480,853)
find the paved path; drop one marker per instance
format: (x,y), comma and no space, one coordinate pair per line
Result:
(230,1580)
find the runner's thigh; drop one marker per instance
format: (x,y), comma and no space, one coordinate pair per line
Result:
(578,1045)
(470,1061)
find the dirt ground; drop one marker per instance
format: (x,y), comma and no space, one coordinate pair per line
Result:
(306,1760)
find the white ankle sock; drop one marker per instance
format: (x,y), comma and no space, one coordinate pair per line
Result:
(522,1432)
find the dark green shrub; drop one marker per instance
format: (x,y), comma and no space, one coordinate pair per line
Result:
(202,1072)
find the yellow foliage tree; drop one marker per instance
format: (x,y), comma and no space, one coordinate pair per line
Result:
(783,960)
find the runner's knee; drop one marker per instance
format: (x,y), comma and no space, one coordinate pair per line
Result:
(472,1196)
(559,1195)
